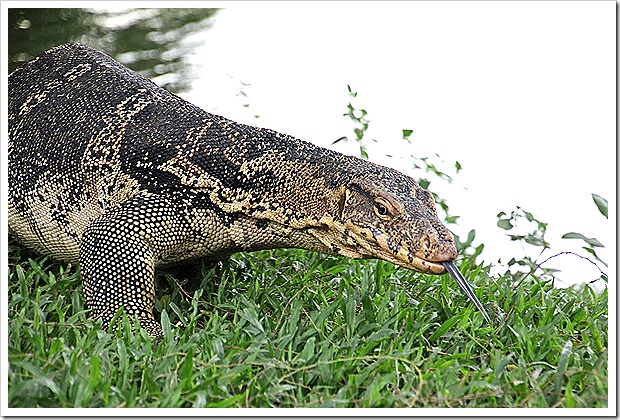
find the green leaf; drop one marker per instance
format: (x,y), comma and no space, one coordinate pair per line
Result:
(569,399)
(458,166)
(407,133)
(567,351)
(95,372)
(504,224)
(369,310)
(308,351)
(187,368)
(251,316)
(590,241)
(229,402)
(451,219)
(593,252)
(445,327)
(601,203)
(424,183)
(534,240)
(167,329)
(147,384)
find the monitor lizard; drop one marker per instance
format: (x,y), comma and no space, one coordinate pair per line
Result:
(110,171)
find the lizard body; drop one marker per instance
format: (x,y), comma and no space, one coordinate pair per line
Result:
(110,171)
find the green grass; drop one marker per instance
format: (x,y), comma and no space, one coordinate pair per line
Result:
(289,328)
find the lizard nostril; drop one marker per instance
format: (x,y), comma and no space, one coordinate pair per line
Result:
(427,249)
(426,243)
(435,248)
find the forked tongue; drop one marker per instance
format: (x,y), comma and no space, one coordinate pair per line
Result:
(465,287)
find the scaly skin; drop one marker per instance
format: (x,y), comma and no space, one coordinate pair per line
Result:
(114,173)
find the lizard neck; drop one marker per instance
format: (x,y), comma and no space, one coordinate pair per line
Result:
(267,190)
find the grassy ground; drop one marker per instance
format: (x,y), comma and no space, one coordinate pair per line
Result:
(289,328)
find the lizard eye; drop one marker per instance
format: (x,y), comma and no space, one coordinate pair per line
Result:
(382,208)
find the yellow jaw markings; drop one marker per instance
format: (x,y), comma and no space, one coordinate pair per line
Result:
(425,266)
(395,252)
(353,241)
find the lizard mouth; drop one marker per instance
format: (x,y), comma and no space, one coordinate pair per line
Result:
(426,266)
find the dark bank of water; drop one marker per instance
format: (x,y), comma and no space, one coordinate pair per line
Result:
(148,41)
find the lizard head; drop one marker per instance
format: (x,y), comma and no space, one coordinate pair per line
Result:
(381,213)
(385,214)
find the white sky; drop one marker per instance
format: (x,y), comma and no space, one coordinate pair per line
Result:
(522,94)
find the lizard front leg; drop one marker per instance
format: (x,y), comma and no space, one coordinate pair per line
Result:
(118,255)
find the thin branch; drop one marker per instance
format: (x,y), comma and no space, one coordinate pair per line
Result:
(565,253)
